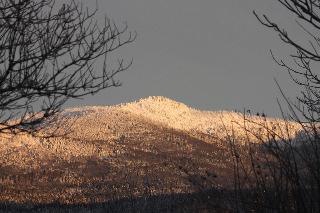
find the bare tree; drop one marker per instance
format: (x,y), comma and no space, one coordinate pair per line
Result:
(303,68)
(48,52)
(282,173)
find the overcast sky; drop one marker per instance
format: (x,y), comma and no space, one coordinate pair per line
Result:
(209,54)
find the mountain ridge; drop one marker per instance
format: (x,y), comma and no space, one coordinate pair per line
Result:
(177,148)
(164,109)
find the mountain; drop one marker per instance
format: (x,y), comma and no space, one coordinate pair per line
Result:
(153,146)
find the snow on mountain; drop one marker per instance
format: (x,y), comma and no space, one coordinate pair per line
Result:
(93,121)
(107,146)
(179,116)
(143,119)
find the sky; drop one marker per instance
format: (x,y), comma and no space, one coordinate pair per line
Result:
(208,54)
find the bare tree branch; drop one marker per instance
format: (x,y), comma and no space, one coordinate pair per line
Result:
(48,54)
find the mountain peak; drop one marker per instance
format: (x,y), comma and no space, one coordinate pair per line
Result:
(157,99)
(159,103)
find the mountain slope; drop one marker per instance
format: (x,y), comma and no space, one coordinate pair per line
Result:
(152,146)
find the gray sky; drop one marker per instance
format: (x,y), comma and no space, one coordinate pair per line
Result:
(209,54)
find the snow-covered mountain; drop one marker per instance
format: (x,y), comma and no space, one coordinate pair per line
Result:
(178,148)
(167,113)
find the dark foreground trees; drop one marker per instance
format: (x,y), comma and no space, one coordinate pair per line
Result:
(282,174)
(48,54)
